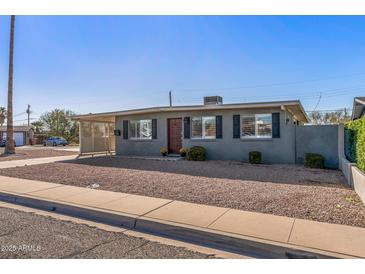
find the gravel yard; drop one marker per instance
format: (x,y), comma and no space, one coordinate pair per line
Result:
(29,153)
(293,191)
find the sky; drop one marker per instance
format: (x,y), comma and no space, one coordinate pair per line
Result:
(109,63)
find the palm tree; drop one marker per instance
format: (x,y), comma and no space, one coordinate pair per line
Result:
(10,147)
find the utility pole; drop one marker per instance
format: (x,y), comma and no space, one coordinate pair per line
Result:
(28,112)
(170,98)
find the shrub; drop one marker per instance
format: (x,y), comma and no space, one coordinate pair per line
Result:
(313,160)
(164,151)
(197,153)
(254,157)
(183,151)
(355,142)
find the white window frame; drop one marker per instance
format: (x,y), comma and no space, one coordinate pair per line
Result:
(140,126)
(256,115)
(203,137)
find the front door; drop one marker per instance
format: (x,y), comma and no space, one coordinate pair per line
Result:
(174,129)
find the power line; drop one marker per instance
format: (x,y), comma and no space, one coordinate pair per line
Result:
(319,99)
(19,114)
(26,119)
(271,84)
(329,110)
(325,93)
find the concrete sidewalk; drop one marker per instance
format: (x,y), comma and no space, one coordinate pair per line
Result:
(220,226)
(35,161)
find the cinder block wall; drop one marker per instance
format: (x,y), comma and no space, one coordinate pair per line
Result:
(322,139)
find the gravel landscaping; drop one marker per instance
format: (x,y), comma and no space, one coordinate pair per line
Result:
(293,191)
(30,153)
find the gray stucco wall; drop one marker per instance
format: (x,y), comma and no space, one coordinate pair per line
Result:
(322,139)
(278,150)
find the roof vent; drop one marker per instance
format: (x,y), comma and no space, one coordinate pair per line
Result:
(213,100)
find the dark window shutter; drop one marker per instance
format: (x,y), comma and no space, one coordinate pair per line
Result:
(236,126)
(218,122)
(186,127)
(125,129)
(276,125)
(154,128)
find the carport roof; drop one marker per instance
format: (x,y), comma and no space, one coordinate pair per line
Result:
(294,106)
(358,108)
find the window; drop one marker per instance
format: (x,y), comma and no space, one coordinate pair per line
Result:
(196,127)
(203,127)
(248,126)
(256,126)
(140,129)
(264,125)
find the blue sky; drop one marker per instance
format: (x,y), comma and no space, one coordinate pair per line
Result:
(106,63)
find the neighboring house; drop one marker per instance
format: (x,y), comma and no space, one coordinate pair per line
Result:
(227,131)
(22,134)
(358,109)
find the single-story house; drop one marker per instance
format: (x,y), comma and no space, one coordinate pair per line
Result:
(227,131)
(358,109)
(22,134)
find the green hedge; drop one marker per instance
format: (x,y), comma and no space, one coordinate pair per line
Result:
(355,142)
(314,160)
(197,153)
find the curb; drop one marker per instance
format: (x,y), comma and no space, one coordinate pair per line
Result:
(250,246)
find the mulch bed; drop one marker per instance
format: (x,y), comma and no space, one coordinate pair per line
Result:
(22,154)
(292,191)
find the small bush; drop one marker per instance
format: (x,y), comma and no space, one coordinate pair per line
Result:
(313,160)
(254,157)
(183,151)
(164,151)
(355,142)
(197,153)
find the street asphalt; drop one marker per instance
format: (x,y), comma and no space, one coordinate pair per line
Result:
(28,235)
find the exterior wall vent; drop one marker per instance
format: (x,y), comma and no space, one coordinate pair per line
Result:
(213,100)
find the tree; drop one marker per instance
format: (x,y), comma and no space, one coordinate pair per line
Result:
(10,146)
(57,123)
(332,117)
(38,127)
(2,115)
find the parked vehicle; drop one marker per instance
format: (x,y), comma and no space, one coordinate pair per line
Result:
(3,143)
(55,141)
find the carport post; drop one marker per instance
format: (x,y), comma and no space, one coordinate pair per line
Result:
(80,137)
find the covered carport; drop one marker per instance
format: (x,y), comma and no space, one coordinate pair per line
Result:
(96,133)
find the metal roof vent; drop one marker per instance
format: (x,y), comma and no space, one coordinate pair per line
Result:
(213,100)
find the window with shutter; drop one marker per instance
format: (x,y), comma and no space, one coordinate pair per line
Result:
(140,129)
(203,127)
(256,126)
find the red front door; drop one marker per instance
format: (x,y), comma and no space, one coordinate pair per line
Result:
(174,129)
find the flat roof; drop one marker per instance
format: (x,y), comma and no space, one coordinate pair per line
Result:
(294,106)
(358,108)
